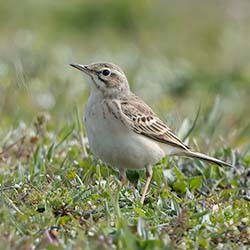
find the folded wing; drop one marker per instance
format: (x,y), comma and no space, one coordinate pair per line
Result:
(142,120)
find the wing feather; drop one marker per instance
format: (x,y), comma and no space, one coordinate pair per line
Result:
(142,120)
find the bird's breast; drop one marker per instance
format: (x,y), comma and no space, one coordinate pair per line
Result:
(115,143)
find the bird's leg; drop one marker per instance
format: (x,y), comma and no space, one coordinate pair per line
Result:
(149,177)
(123,177)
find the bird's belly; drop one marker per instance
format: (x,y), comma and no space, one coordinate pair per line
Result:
(118,146)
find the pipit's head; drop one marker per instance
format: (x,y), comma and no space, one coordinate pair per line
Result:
(107,78)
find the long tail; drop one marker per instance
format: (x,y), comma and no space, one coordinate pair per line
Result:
(205,158)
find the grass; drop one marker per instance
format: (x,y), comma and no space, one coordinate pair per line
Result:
(54,197)
(190,66)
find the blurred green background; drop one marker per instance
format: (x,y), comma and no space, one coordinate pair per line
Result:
(178,56)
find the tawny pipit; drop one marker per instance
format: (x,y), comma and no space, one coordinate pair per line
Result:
(123,131)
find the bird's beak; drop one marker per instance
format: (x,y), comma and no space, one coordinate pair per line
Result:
(83,68)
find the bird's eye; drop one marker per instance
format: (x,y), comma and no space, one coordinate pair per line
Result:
(106,72)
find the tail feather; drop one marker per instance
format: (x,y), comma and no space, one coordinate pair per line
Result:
(204,157)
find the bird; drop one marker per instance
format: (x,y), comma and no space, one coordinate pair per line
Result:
(122,130)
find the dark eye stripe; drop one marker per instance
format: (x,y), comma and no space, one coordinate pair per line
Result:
(105,81)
